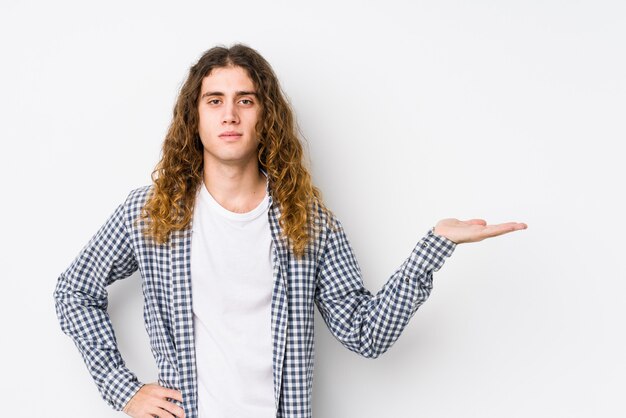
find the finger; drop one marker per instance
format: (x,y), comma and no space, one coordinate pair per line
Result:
(172,408)
(171,393)
(157,412)
(514,226)
(496,230)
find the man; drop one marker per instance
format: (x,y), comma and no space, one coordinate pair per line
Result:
(235,246)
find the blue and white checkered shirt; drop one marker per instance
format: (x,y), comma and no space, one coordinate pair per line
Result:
(328,276)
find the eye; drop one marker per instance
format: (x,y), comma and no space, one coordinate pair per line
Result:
(213,101)
(246,101)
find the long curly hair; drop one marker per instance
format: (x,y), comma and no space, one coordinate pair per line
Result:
(179,173)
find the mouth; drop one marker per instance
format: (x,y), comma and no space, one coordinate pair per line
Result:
(230,135)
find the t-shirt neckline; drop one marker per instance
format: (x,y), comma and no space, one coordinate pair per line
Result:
(235,216)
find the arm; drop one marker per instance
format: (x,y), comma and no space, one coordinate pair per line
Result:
(81,303)
(365,323)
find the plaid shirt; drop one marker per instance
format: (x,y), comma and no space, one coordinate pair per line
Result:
(328,276)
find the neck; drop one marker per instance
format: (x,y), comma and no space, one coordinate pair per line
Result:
(236,188)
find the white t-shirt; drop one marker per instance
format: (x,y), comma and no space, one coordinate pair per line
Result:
(231,277)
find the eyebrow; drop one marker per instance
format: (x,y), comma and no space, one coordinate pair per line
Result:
(219,93)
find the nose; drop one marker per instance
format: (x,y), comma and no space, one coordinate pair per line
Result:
(230,114)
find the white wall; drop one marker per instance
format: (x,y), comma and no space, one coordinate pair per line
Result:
(413,111)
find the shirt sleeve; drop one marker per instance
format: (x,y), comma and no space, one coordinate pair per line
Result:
(81,305)
(365,323)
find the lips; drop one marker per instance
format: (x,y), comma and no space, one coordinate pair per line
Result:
(230,136)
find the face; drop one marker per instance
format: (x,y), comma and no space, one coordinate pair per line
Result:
(228,111)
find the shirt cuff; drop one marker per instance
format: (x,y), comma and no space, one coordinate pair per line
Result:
(121,385)
(429,254)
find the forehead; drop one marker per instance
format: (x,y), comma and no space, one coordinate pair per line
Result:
(227,79)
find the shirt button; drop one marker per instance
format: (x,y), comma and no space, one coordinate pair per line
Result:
(406,279)
(424,244)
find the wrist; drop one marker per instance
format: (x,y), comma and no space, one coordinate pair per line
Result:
(438,232)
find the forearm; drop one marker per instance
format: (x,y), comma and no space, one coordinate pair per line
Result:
(87,323)
(369,324)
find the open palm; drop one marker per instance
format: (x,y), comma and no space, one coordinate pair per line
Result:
(473,230)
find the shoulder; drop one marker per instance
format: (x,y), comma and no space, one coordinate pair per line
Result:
(138,196)
(135,200)
(323,218)
(325,228)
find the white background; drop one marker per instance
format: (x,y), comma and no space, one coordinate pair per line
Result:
(413,111)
